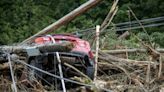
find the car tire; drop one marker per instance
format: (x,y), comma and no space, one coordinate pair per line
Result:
(90,72)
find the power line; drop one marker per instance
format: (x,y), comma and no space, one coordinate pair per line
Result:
(92,32)
(126,24)
(127,28)
(144,20)
(138,27)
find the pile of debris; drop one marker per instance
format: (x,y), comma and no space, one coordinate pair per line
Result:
(116,72)
(121,74)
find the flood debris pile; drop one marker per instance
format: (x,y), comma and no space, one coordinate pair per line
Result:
(28,66)
(123,74)
(116,72)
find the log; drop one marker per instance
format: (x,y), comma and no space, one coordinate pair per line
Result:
(124,35)
(20,52)
(106,66)
(124,51)
(136,50)
(5,66)
(108,58)
(67,18)
(60,47)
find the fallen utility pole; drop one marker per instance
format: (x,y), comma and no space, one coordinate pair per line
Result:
(67,18)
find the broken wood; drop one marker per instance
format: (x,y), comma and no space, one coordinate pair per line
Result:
(77,70)
(124,35)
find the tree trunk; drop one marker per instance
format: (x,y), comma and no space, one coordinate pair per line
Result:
(60,47)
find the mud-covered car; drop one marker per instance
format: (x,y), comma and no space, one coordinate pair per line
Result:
(79,57)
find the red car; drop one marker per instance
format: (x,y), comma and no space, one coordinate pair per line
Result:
(80,46)
(80,57)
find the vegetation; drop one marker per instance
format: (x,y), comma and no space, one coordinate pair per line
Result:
(20,19)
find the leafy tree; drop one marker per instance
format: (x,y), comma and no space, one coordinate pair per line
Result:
(20,19)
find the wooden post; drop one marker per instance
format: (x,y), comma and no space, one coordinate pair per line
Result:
(59,66)
(97,49)
(13,85)
(67,18)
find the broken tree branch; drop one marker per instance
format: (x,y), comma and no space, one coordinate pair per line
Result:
(77,70)
(110,16)
(140,24)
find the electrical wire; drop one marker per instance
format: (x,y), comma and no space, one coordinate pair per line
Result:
(144,20)
(92,32)
(126,24)
(138,27)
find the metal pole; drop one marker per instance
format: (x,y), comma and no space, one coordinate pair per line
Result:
(12,74)
(59,66)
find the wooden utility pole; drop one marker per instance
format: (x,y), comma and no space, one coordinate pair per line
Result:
(97,50)
(67,18)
